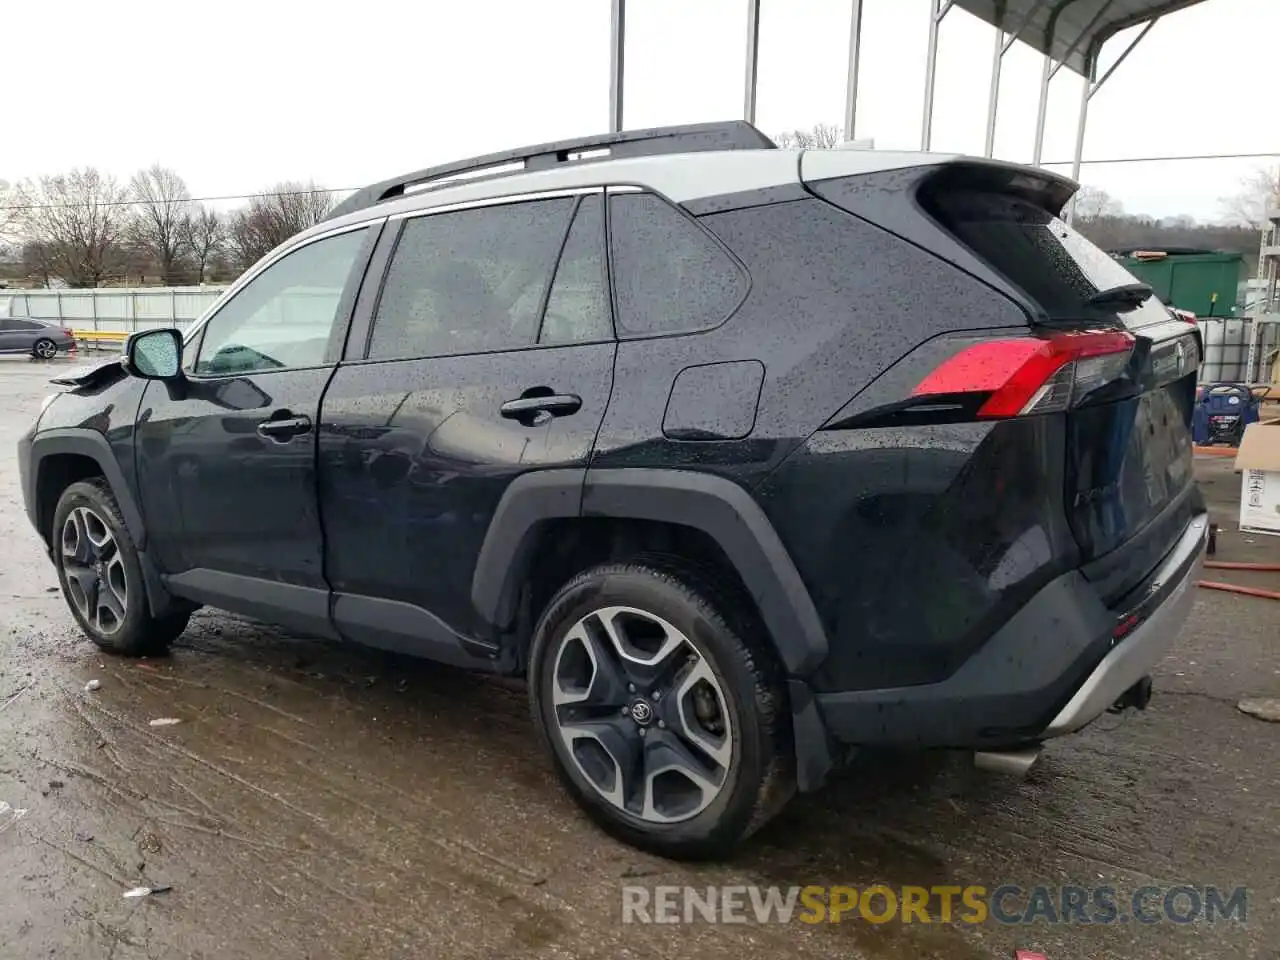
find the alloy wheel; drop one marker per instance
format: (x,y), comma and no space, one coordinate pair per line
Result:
(46,349)
(641,714)
(94,570)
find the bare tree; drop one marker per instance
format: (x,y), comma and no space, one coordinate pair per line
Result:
(1258,191)
(77,221)
(161,206)
(204,232)
(1093,203)
(821,136)
(8,213)
(273,217)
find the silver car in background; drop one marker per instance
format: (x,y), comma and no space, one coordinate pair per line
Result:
(40,338)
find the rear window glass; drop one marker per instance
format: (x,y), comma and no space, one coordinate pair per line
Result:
(1056,266)
(668,275)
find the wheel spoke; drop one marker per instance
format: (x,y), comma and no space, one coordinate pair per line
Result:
(75,541)
(82,586)
(609,755)
(677,784)
(587,673)
(108,603)
(647,646)
(696,691)
(96,531)
(113,592)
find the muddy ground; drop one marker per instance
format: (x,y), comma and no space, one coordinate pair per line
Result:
(322,801)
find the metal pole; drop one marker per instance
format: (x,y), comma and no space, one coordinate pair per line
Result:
(993,98)
(930,73)
(617,41)
(1127,50)
(1086,92)
(851,86)
(753,60)
(1045,75)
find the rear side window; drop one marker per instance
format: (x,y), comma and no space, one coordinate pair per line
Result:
(1056,266)
(669,276)
(472,281)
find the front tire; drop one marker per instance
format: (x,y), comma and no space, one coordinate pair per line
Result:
(101,575)
(44,349)
(653,688)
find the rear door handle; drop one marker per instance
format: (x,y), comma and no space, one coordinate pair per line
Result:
(526,409)
(284,428)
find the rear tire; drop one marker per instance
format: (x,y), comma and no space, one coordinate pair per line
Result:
(653,688)
(101,575)
(44,349)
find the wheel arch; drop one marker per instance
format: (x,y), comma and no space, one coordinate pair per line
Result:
(707,503)
(53,448)
(59,458)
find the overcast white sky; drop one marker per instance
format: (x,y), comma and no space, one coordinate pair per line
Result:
(237,94)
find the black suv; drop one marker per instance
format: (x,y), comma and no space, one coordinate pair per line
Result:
(743,456)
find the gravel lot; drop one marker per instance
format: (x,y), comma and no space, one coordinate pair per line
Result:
(322,801)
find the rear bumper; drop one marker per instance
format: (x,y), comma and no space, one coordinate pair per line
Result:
(1133,657)
(1052,669)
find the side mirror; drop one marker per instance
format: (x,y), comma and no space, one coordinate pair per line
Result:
(154,354)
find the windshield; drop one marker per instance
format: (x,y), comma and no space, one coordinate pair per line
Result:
(1057,267)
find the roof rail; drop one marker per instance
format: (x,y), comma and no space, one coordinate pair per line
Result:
(687,138)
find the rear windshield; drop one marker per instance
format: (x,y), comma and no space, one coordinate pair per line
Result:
(1056,266)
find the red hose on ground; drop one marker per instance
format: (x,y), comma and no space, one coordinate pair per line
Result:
(1240,565)
(1236,588)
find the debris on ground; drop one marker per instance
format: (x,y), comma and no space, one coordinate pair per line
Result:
(9,815)
(83,837)
(165,721)
(635,871)
(1265,708)
(92,685)
(145,891)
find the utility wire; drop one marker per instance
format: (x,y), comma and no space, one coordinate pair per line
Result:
(224,197)
(302,193)
(1202,156)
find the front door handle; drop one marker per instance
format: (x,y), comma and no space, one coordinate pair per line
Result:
(534,410)
(284,427)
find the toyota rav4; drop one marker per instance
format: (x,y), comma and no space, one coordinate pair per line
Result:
(744,457)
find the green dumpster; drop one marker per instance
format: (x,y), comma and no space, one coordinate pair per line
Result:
(1201,281)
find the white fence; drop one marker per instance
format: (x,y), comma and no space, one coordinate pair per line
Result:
(113,309)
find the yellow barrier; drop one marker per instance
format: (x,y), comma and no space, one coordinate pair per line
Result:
(100,336)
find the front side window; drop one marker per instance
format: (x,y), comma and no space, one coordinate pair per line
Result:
(285,315)
(471,281)
(668,275)
(578,305)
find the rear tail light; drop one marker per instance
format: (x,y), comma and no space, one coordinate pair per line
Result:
(1023,375)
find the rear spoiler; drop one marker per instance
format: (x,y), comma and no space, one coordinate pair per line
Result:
(1047,190)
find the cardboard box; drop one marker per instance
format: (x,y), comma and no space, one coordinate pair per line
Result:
(1258,459)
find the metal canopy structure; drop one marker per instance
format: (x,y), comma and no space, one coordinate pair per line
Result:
(1067,33)
(1070,31)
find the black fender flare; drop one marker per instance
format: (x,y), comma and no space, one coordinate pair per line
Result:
(87,443)
(93,445)
(713,504)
